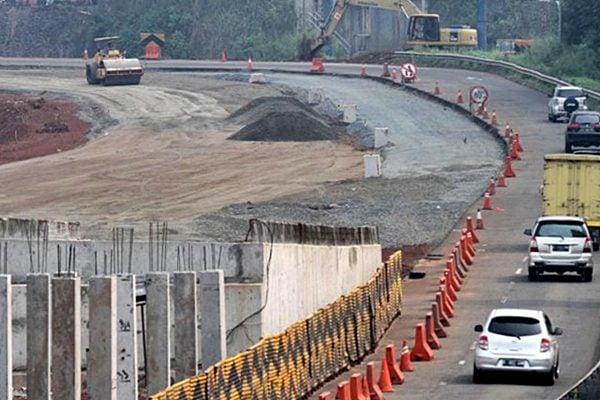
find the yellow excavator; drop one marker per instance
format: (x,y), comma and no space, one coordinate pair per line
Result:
(109,66)
(423,29)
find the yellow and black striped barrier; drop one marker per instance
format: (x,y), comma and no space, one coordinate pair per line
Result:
(292,364)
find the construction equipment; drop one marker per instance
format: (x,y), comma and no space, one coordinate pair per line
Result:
(423,29)
(109,66)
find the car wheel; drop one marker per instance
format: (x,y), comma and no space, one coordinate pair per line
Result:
(587,275)
(533,274)
(478,375)
(552,118)
(568,147)
(550,377)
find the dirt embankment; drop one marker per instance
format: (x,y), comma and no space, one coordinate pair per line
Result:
(34,127)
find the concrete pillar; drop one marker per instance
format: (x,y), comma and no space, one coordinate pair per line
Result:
(158,326)
(66,338)
(6,389)
(372,165)
(350,112)
(212,310)
(102,357)
(381,137)
(127,366)
(39,336)
(186,337)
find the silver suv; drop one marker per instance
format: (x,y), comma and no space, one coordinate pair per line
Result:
(564,100)
(516,340)
(560,244)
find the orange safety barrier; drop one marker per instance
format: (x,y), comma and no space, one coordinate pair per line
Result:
(325,396)
(437,323)
(464,253)
(385,381)
(421,350)
(444,319)
(405,364)
(449,288)
(343,391)
(432,340)
(461,258)
(456,279)
(356,390)
(460,268)
(374,391)
(471,230)
(447,304)
(395,373)
(508,171)
(469,241)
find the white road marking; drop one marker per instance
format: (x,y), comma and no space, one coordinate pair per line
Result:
(504,299)
(481,250)
(472,346)
(524,259)
(442,383)
(512,283)
(518,272)
(462,362)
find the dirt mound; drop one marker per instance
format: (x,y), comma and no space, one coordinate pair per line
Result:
(34,127)
(276,119)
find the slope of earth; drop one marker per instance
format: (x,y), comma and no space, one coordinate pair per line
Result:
(37,126)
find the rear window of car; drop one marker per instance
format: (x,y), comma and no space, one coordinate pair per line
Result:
(565,229)
(570,93)
(515,326)
(587,119)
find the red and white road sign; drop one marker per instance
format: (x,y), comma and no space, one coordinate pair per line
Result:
(408,70)
(479,94)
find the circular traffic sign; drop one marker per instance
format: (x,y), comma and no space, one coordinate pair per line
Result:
(479,94)
(408,70)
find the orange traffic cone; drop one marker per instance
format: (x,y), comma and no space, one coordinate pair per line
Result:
(317,65)
(437,90)
(363,71)
(250,64)
(501,180)
(223,56)
(394,74)
(492,188)
(356,390)
(386,70)
(395,373)
(405,364)
(507,130)
(479,110)
(432,340)
(471,230)
(325,396)
(479,221)
(437,323)
(514,152)
(385,382)
(518,140)
(459,98)
(343,391)
(85,54)
(444,319)
(485,113)
(421,350)
(494,119)
(487,202)
(508,171)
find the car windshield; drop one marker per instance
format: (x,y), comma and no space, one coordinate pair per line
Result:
(570,93)
(566,229)
(587,119)
(515,326)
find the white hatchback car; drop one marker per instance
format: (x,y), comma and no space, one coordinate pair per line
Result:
(560,244)
(517,340)
(564,100)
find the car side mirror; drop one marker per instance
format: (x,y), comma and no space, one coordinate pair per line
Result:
(557,332)
(527,232)
(478,328)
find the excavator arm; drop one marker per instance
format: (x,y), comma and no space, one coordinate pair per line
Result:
(339,9)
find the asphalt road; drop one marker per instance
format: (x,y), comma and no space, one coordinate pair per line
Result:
(498,278)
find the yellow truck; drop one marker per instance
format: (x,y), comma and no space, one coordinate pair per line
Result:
(572,188)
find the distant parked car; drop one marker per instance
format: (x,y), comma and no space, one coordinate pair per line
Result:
(517,340)
(564,100)
(560,244)
(583,130)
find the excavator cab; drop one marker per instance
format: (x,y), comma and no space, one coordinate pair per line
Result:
(424,28)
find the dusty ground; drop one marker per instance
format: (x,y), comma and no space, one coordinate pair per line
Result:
(159,151)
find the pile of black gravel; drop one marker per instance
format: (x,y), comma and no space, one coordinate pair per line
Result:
(279,119)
